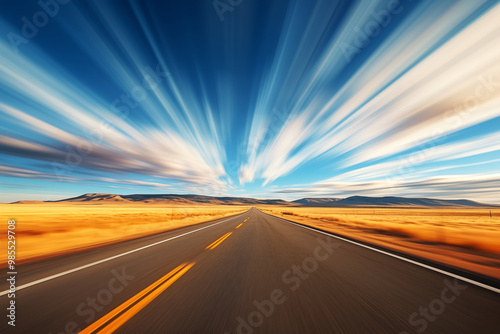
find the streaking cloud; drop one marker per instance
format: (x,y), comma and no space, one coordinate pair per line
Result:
(424,82)
(327,98)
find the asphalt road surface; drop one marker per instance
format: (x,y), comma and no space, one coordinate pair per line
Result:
(251,273)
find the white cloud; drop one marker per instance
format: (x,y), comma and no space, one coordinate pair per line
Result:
(397,101)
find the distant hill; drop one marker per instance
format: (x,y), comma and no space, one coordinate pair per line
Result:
(173,199)
(389,201)
(94,198)
(28,202)
(353,201)
(317,201)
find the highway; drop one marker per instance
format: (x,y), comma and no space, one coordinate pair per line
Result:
(251,273)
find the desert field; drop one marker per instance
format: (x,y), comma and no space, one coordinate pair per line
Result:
(465,238)
(49,229)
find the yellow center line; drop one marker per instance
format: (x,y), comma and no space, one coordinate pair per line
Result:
(218,241)
(239,225)
(150,293)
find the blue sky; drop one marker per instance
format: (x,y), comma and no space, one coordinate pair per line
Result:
(285,99)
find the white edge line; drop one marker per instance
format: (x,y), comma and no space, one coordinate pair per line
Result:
(465,279)
(42,280)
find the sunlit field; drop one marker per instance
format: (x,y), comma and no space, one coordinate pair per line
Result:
(465,238)
(50,229)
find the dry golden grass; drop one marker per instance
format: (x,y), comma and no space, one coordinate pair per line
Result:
(50,229)
(465,238)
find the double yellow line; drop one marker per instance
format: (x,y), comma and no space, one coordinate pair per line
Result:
(117,317)
(114,319)
(244,221)
(218,241)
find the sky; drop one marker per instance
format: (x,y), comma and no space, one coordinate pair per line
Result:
(259,98)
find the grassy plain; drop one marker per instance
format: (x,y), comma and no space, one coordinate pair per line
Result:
(49,229)
(464,238)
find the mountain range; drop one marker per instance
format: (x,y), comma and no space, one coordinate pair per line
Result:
(353,201)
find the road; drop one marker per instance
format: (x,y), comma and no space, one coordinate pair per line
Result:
(252,273)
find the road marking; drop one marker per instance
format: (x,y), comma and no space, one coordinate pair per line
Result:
(42,280)
(239,225)
(218,241)
(131,307)
(444,272)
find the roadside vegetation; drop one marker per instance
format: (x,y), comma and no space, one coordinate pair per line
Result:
(465,238)
(49,229)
